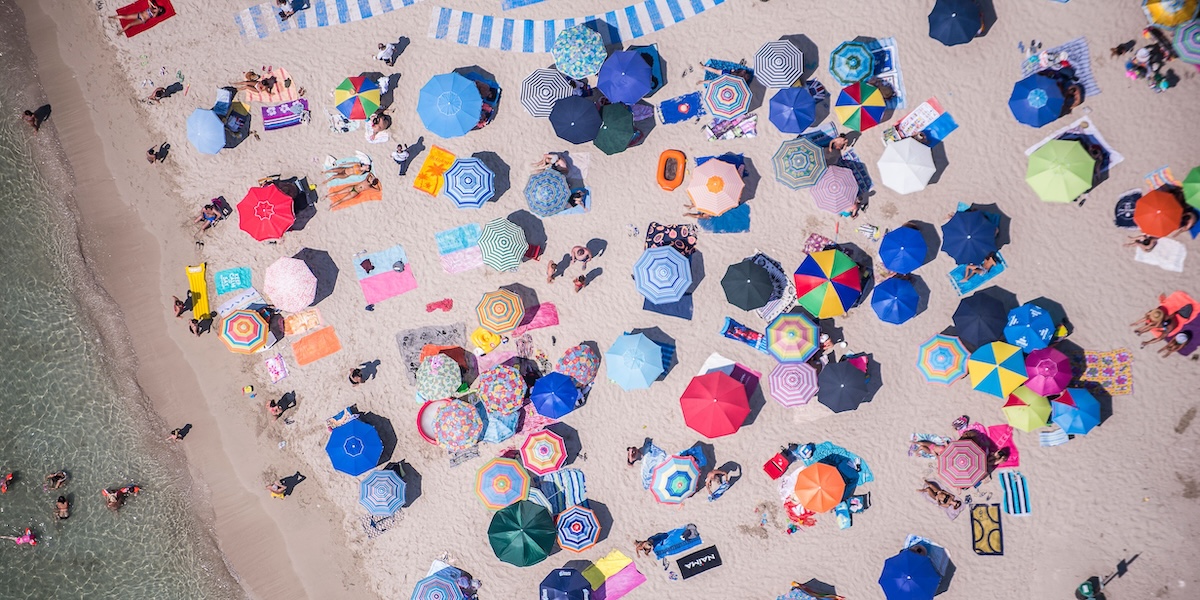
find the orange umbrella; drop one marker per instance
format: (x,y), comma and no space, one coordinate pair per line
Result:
(1158,213)
(716,187)
(819,487)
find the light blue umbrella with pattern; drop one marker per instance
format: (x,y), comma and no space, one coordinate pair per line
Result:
(851,62)
(469,183)
(547,193)
(579,52)
(382,492)
(662,275)
(634,361)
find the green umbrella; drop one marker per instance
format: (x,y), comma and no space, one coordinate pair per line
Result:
(438,377)
(1060,171)
(616,129)
(522,533)
(1191,187)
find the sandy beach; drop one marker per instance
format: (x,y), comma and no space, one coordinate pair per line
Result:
(1125,492)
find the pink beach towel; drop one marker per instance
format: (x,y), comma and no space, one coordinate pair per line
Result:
(617,586)
(276,368)
(544,315)
(462,260)
(1002,437)
(378,288)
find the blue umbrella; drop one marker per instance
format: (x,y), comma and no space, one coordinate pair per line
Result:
(903,250)
(650,54)
(634,361)
(979,320)
(469,183)
(499,427)
(1076,411)
(450,105)
(793,109)
(442,585)
(968,237)
(662,275)
(909,576)
(1037,99)
(895,301)
(851,62)
(1030,327)
(547,193)
(625,77)
(554,395)
(565,584)
(576,119)
(354,448)
(382,492)
(954,22)
(206,131)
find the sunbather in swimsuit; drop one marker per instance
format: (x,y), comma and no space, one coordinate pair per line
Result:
(346,171)
(352,192)
(138,18)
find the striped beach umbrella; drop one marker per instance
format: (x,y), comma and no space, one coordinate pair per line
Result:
(1060,171)
(727,97)
(962,464)
(859,106)
(798,163)
(1027,410)
(357,98)
(792,338)
(1029,327)
(1076,411)
(382,492)
(634,361)
(578,529)
(501,388)
(793,384)
(997,369)
(290,284)
(243,331)
(541,89)
(438,377)
(581,363)
(500,311)
(827,283)
(716,187)
(851,62)
(1187,42)
(942,359)
(543,452)
(500,482)
(1049,371)
(458,425)
(819,487)
(547,193)
(579,51)
(836,190)
(469,183)
(442,585)
(449,105)
(662,275)
(502,244)
(674,479)
(778,64)
(1170,13)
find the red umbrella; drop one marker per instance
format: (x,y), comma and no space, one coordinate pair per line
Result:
(265,213)
(1158,213)
(715,404)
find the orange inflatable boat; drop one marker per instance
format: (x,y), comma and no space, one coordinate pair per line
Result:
(671,165)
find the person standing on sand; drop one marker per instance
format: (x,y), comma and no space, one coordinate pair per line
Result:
(551,271)
(580,283)
(32,120)
(356,377)
(582,255)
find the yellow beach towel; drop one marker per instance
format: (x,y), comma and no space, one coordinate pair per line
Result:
(301,322)
(606,567)
(429,178)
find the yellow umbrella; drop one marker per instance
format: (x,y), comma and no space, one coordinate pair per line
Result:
(997,369)
(1170,13)
(716,187)
(1026,410)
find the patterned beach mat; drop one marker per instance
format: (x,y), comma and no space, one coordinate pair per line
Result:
(262,20)
(1078,54)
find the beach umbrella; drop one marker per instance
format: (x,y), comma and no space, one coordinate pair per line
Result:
(500,311)
(469,183)
(842,386)
(716,187)
(458,426)
(662,275)
(290,284)
(1026,410)
(1191,186)
(634,361)
(579,51)
(357,98)
(674,479)
(954,22)
(442,585)
(206,131)
(778,64)
(1158,213)
(909,576)
(836,190)
(1049,371)
(727,97)
(438,377)
(906,166)
(962,464)
(500,482)
(799,163)
(449,105)
(903,250)
(651,55)
(581,363)
(1037,100)
(715,404)
(942,359)
(624,77)
(792,338)
(819,487)
(851,62)
(747,285)
(860,106)
(1076,411)
(980,319)
(547,193)
(501,388)
(543,452)
(382,493)
(499,427)
(997,369)
(895,301)
(969,237)
(827,283)
(1060,171)
(541,89)
(565,584)
(354,447)
(793,383)
(1029,327)
(244,331)
(793,109)
(554,395)
(502,245)
(265,213)
(1187,42)
(616,129)
(576,119)
(578,529)
(1170,13)
(522,533)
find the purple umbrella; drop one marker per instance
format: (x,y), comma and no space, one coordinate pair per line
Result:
(1049,371)
(793,383)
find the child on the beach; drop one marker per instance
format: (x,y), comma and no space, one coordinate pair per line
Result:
(580,283)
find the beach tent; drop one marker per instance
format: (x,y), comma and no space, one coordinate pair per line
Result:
(715,404)
(1049,371)
(354,447)
(1060,171)
(895,301)
(449,105)
(634,361)
(541,89)
(501,482)
(575,119)
(997,369)
(909,576)
(1076,411)
(851,62)
(906,166)
(266,213)
(579,51)
(942,359)
(716,187)
(969,237)
(819,487)
(903,250)
(522,533)
(792,338)
(747,285)
(778,64)
(828,283)
(624,77)
(662,275)
(543,452)
(554,395)
(469,183)
(799,163)
(1037,99)
(793,109)
(954,22)
(581,363)
(843,386)
(616,129)
(382,493)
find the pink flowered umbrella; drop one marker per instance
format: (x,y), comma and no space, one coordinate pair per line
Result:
(290,284)
(502,389)
(458,426)
(581,363)
(1049,371)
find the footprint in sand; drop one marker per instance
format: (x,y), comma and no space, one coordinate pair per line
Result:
(1185,420)
(1191,489)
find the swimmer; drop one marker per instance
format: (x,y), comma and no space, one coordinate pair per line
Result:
(62,508)
(4,482)
(56,480)
(27,538)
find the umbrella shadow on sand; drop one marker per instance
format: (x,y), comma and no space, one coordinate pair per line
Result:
(696,261)
(940,163)
(657,336)
(529,299)
(1005,297)
(323,268)
(503,173)
(987,12)
(1056,310)
(929,234)
(1002,236)
(603,518)
(411,478)
(387,434)
(571,443)
(812,54)
(531,225)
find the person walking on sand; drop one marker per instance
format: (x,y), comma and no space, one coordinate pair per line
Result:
(551,271)
(356,377)
(582,255)
(580,283)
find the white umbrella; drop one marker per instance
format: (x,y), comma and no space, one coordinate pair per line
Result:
(290,284)
(906,166)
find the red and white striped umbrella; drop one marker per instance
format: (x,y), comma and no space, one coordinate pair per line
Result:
(962,464)
(836,190)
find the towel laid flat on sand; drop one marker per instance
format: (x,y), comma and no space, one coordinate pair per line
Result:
(141,5)
(987,534)
(276,368)
(301,322)
(1112,370)
(366,194)
(231,280)
(1016,495)
(284,90)
(1168,255)
(412,341)
(283,115)
(429,177)
(316,345)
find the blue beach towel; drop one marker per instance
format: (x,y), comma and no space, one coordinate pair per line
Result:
(887,67)
(382,261)
(652,456)
(1016,496)
(963,288)
(736,220)
(1080,59)
(459,238)
(681,309)
(845,457)
(725,66)
(675,543)
(681,108)
(231,280)
(262,20)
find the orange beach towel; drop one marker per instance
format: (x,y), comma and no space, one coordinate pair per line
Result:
(316,345)
(367,195)
(285,90)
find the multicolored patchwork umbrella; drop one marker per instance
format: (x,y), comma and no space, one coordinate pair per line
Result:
(265,213)
(997,369)
(851,62)
(727,97)
(793,383)
(541,89)
(836,190)
(1060,171)
(1030,327)
(243,331)
(449,105)
(581,363)
(828,283)
(1187,42)
(1026,410)
(1076,411)
(357,98)
(547,193)
(442,585)
(778,64)
(500,311)
(799,163)
(501,388)
(1170,13)
(469,183)
(1049,371)
(579,52)
(792,338)
(942,359)
(819,487)
(438,377)
(674,479)
(502,245)
(578,529)
(716,187)
(522,533)
(962,464)
(634,361)
(1158,213)
(714,404)
(500,482)
(543,452)
(382,492)
(662,275)
(860,106)
(458,426)
(290,284)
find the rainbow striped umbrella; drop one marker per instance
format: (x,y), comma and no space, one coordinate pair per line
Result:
(792,338)
(860,106)
(727,97)
(382,492)
(501,388)
(674,479)
(243,331)
(357,98)
(662,275)
(442,585)
(458,425)
(793,383)
(827,283)
(836,190)
(997,369)
(500,482)
(578,529)
(942,359)
(581,363)
(1026,409)
(500,311)
(543,452)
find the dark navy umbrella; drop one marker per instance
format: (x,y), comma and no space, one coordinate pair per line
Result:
(793,109)
(625,77)
(980,320)
(909,576)
(903,250)
(565,584)
(575,119)
(954,22)
(841,386)
(354,448)
(1037,99)
(554,395)
(895,301)
(968,237)
(748,285)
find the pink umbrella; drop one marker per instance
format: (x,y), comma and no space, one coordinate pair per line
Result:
(290,284)
(1049,371)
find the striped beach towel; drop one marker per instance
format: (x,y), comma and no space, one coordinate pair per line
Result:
(564,488)
(1057,437)
(1016,496)
(261,20)
(1160,177)
(887,68)
(284,115)
(1077,54)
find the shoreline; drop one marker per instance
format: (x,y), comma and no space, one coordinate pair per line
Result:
(123,263)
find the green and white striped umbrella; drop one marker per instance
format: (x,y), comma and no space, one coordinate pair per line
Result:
(502,244)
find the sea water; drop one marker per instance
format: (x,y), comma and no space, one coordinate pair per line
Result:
(68,401)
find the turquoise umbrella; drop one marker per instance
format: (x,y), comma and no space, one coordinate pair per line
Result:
(851,62)
(634,361)
(449,105)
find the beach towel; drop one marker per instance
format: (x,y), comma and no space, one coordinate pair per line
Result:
(367,194)
(1002,437)
(284,90)
(740,333)
(538,317)
(1168,255)
(231,280)
(1079,57)
(429,177)
(511,4)
(1016,496)
(412,341)
(316,345)
(1123,211)
(915,450)
(844,460)
(680,237)
(620,584)
(1057,437)
(726,67)
(652,456)
(242,300)
(458,248)
(963,288)
(198,286)
(852,161)
(887,67)
(582,208)
(276,368)
(680,109)
(374,527)
(338,123)
(987,535)
(388,284)
(283,115)
(305,320)
(139,6)
(1160,177)
(743,126)
(822,134)
(736,220)
(1112,370)
(815,243)
(681,309)
(564,488)
(262,20)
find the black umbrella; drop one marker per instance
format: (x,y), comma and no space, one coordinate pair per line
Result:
(747,285)
(575,119)
(842,386)
(980,320)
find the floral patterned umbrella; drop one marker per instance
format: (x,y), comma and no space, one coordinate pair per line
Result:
(581,363)
(502,389)
(438,377)
(458,426)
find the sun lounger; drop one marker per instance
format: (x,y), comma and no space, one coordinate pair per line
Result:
(988,535)
(740,333)
(141,5)
(1016,495)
